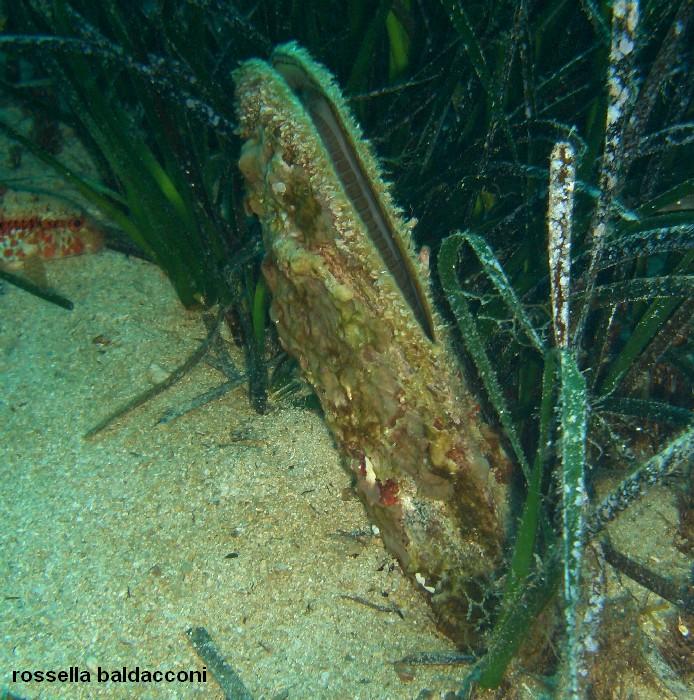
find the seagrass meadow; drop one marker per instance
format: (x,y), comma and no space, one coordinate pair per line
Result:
(387,356)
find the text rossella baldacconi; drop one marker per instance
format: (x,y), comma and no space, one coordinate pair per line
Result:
(124,674)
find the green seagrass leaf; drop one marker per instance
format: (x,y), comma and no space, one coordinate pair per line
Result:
(573,420)
(649,241)
(498,278)
(650,410)
(644,288)
(521,600)
(447,261)
(105,199)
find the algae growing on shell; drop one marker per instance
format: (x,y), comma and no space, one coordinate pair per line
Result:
(431,475)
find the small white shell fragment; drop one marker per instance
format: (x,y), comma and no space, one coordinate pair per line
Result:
(156,373)
(370,477)
(423,583)
(91,663)
(375,530)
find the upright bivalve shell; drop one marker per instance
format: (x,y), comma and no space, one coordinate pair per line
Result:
(351,304)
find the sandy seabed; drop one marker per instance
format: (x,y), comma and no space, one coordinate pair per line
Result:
(113,547)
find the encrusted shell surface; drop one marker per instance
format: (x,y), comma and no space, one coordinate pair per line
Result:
(431,475)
